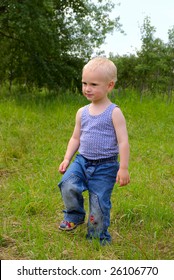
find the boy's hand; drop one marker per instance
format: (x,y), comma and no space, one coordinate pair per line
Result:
(123,177)
(63,166)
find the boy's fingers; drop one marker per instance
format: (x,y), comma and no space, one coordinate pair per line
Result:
(61,169)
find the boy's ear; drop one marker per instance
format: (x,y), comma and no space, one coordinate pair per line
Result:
(111,85)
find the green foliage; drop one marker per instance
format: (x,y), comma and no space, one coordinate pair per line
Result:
(152,68)
(34,133)
(43,42)
(126,70)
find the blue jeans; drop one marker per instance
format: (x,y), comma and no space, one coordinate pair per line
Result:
(98,178)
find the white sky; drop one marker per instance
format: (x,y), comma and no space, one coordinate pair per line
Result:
(132,14)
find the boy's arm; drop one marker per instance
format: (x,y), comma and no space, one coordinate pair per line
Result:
(73,144)
(122,138)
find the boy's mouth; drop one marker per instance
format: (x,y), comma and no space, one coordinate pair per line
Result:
(88,95)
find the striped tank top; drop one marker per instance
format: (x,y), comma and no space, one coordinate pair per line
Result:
(98,139)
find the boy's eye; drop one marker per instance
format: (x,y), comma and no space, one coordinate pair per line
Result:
(92,84)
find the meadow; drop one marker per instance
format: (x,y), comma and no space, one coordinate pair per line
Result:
(34,131)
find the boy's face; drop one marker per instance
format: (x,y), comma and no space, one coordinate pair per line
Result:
(95,85)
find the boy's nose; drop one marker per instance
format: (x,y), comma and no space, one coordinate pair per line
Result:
(88,88)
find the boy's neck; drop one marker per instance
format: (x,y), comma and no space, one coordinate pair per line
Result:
(98,107)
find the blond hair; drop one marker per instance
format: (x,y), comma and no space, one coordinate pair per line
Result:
(104,64)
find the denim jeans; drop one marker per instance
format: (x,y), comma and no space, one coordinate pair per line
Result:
(98,178)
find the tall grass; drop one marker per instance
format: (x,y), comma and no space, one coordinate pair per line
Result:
(34,131)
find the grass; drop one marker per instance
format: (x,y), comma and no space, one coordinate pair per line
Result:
(33,137)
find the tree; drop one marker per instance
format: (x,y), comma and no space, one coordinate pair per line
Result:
(126,65)
(46,41)
(153,67)
(170,60)
(145,61)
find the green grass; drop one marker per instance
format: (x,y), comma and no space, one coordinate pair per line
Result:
(34,132)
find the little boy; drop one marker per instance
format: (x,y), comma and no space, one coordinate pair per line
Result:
(99,135)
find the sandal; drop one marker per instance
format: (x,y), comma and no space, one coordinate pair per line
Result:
(65,225)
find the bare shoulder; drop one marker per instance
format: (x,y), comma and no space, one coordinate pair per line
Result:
(117,113)
(79,114)
(80,110)
(117,116)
